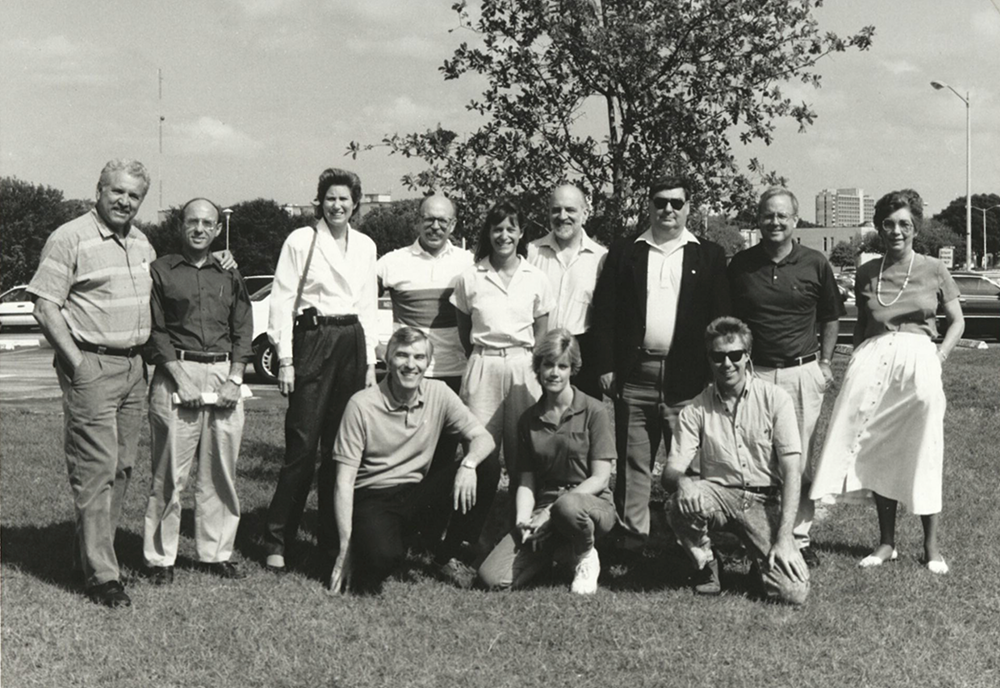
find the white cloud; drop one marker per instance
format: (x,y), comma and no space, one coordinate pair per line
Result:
(209,136)
(57,60)
(410,46)
(899,66)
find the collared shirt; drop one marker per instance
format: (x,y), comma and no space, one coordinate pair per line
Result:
(559,451)
(338,283)
(572,283)
(742,449)
(420,285)
(930,285)
(663,287)
(503,316)
(100,281)
(393,444)
(204,309)
(782,302)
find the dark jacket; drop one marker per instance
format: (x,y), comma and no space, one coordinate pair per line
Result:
(620,313)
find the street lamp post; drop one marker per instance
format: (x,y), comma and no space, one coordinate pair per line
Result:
(984,211)
(938,85)
(227,212)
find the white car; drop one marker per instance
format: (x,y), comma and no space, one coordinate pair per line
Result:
(16,308)
(265,361)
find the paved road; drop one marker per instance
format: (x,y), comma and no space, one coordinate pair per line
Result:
(27,377)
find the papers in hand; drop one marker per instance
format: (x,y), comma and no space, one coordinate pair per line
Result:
(212,398)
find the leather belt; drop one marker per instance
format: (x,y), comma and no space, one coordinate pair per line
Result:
(785,362)
(766,490)
(506,351)
(653,353)
(108,350)
(349,319)
(201,356)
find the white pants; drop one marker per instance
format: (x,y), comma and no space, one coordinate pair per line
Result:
(177,435)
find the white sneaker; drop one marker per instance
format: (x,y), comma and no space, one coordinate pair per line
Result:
(588,569)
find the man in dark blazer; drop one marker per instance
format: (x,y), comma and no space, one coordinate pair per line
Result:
(658,292)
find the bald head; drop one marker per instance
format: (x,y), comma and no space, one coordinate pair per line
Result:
(436,223)
(568,212)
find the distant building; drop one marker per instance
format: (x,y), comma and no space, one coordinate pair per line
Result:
(368,203)
(843,207)
(825,238)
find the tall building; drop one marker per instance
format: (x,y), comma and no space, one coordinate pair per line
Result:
(843,207)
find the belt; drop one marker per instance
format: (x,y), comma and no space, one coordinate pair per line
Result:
(766,490)
(350,319)
(653,353)
(201,356)
(107,350)
(507,351)
(785,362)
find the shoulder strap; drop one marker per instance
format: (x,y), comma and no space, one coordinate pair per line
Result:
(305,271)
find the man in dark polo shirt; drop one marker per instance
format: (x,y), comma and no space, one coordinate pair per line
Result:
(200,343)
(783,291)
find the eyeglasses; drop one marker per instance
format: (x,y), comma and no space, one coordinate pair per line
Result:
(733,356)
(432,221)
(676,203)
(904,225)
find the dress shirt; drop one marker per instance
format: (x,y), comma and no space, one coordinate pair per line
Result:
(338,283)
(742,449)
(503,316)
(572,283)
(420,285)
(99,279)
(663,287)
(204,309)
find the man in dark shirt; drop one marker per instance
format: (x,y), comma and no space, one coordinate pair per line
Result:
(783,290)
(200,344)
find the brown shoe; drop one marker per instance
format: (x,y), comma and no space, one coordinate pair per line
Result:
(224,569)
(708,580)
(110,594)
(160,575)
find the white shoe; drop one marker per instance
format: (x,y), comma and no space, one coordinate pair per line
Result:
(874,560)
(588,569)
(937,566)
(275,561)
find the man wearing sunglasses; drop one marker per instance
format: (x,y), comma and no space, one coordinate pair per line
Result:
(783,291)
(744,433)
(658,291)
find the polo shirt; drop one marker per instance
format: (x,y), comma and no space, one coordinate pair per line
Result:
(559,452)
(782,302)
(915,311)
(203,309)
(663,287)
(502,316)
(338,283)
(393,444)
(100,281)
(572,283)
(420,286)
(742,449)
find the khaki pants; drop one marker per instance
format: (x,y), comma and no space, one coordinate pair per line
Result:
(102,414)
(178,435)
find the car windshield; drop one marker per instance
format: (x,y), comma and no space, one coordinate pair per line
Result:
(261,294)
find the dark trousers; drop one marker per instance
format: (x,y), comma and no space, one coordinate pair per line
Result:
(587,380)
(330,365)
(383,517)
(462,528)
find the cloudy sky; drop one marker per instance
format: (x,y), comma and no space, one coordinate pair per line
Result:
(260,95)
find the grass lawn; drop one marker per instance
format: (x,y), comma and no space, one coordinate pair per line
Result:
(897,625)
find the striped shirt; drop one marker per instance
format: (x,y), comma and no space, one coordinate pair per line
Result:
(420,285)
(100,281)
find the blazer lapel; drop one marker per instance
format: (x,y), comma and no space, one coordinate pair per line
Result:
(689,278)
(640,264)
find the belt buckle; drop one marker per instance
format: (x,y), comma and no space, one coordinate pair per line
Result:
(101,349)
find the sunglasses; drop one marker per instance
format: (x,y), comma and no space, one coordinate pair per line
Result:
(733,356)
(676,203)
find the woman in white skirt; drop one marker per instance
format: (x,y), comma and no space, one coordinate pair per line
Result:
(886,435)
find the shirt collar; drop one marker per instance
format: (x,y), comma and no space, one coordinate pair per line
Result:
(792,257)
(321,224)
(685,237)
(392,404)
(586,243)
(485,266)
(578,405)
(743,395)
(175,259)
(418,250)
(105,231)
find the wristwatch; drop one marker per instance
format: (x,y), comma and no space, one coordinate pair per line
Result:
(235,379)
(468,464)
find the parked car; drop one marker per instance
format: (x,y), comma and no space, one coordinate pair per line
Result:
(979,299)
(265,361)
(255,283)
(16,308)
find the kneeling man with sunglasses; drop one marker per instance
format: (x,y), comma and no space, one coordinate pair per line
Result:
(744,432)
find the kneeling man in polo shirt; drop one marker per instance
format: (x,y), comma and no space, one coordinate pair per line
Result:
(200,344)
(383,454)
(744,432)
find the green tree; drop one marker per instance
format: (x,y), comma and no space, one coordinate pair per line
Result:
(843,254)
(954,218)
(676,82)
(932,236)
(391,226)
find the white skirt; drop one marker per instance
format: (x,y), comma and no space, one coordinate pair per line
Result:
(886,433)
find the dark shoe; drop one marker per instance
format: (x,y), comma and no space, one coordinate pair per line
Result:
(810,556)
(160,575)
(707,581)
(455,572)
(224,569)
(110,594)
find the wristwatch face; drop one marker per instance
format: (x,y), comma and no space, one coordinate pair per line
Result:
(237,380)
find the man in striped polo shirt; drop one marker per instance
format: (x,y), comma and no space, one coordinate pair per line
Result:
(92,302)
(420,279)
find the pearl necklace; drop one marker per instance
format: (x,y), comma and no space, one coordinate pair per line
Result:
(878,285)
